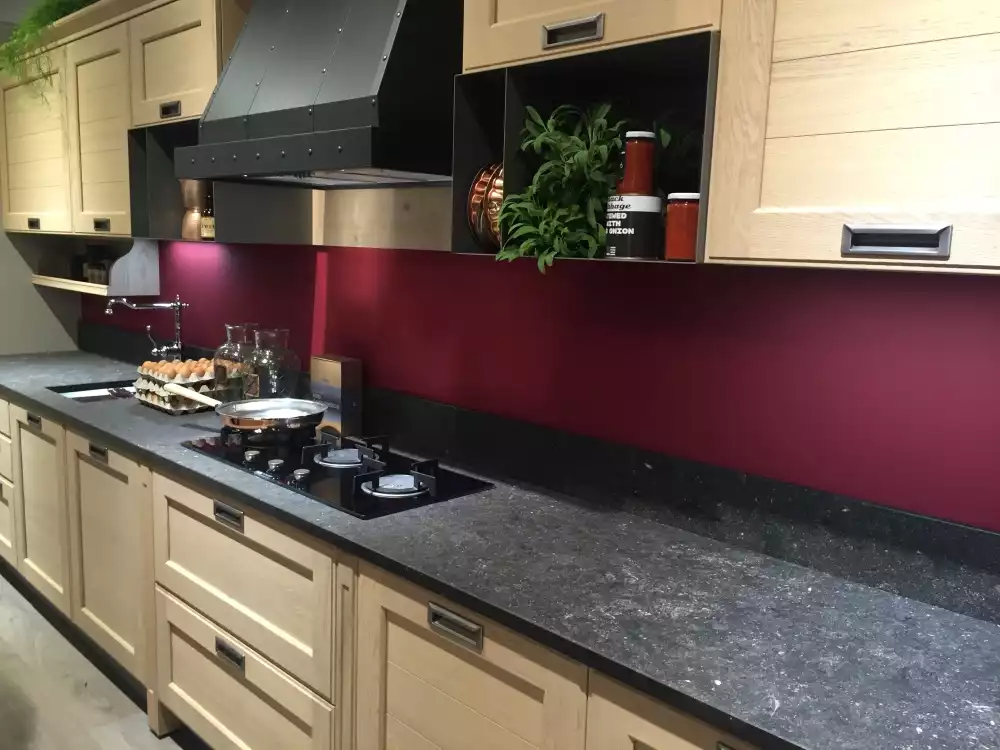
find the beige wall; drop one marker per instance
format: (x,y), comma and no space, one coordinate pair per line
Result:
(32,319)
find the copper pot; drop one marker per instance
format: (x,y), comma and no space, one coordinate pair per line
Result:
(485,199)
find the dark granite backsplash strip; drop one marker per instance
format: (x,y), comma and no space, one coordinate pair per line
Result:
(948,565)
(945,564)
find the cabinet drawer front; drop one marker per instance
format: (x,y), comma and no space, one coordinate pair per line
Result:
(6,458)
(619,718)
(7,522)
(271,590)
(174,61)
(499,32)
(228,694)
(429,669)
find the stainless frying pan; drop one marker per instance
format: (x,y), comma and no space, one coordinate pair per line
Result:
(261,413)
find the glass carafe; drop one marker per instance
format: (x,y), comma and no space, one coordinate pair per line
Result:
(272,368)
(229,362)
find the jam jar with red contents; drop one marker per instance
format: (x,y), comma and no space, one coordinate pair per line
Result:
(683,210)
(640,158)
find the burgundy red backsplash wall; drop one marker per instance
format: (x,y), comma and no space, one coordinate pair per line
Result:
(881,386)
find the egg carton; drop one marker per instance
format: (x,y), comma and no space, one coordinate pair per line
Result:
(156,387)
(171,405)
(208,377)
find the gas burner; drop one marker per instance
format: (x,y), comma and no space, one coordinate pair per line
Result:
(344,458)
(392,486)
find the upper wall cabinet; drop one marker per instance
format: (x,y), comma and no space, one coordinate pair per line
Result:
(856,133)
(174,51)
(34,149)
(98,98)
(506,32)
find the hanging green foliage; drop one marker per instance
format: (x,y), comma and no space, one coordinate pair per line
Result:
(28,33)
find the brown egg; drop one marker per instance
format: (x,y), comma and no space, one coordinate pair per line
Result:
(185,371)
(200,371)
(168,370)
(147,365)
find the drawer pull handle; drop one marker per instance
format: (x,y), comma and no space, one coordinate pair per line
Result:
(228,516)
(587,29)
(102,225)
(98,453)
(34,420)
(231,655)
(170,109)
(34,223)
(455,627)
(933,243)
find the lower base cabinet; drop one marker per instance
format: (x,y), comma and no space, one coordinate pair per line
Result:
(432,676)
(619,718)
(229,695)
(41,518)
(109,518)
(7,550)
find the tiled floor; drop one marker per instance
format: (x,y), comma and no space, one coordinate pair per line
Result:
(52,698)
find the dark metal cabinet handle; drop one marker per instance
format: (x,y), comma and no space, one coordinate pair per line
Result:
(170,109)
(102,225)
(231,655)
(228,516)
(932,243)
(587,29)
(98,453)
(34,223)
(455,627)
(34,420)
(722,746)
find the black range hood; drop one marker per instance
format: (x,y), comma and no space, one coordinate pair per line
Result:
(334,93)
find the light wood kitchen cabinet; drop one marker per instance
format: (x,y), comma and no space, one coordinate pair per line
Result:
(41,518)
(619,718)
(507,32)
(34,149)
(99,118)
(109,502)
(228,694)
(880,155)
(431,675)
(7,550)
(174,52)
(267,587)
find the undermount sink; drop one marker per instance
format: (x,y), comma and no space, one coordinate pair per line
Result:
(86,393)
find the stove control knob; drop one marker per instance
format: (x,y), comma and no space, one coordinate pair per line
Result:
(274,465)
(250,457)
(300,475)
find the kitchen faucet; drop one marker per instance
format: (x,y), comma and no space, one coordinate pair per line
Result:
(167,350)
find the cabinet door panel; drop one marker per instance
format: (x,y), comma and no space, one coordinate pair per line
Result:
(109,498)
(34,149)
(174,57)
(269,589)
(619,718)
(6,458)
(99,116)
(892,144)
(227,693)
(7,550)
(510,31)
(421,686)
(39,484)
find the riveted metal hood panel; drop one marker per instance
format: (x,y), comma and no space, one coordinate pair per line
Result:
(334,93)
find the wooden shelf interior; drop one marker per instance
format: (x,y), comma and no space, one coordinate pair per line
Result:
(70,285)
(670,81)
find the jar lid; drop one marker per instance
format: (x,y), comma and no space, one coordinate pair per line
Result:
(684,197)
(640,134)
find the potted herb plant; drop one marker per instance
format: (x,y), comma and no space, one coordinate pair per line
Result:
(28,33)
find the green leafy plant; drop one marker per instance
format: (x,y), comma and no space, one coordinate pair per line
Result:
(27,36)
(561,213)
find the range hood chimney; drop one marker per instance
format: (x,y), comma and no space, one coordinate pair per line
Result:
(333,94)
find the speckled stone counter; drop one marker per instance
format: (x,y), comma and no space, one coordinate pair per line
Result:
(779,654)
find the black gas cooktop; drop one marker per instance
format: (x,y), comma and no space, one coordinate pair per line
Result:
(360,476)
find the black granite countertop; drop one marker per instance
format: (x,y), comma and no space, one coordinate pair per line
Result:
(782,655)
